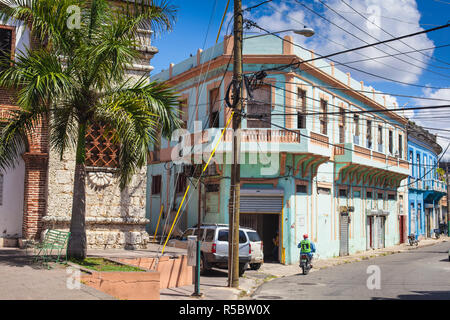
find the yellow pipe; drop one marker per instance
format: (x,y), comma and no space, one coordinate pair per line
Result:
(187,189)
(157,225)
(223,18)
(173,224)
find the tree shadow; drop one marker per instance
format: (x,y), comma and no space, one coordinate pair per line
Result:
(19,258)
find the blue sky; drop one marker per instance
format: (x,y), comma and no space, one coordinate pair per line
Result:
(199,20)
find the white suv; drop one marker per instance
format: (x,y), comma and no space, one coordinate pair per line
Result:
(214,247)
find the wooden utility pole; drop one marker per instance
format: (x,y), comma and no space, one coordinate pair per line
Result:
(233,249)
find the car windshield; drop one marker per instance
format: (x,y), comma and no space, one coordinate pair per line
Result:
(253,236)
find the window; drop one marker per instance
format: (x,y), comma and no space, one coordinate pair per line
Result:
(301,109)
(369,195)
(369,134)
(301,188)
(198,233)
(391,143)
(253,236)
(101,152)
(419,170)
(391,196)
(209,235)
(411,155)
(212,188)
(6,42)
(183,112)
(156,184)
(214,107)
(223,236)
(356,122)
(1,189)
(400,146)
(343,193)
(181,184)
(323,116)
(260,105)
(341,125)
(380,196)
(380,138)
(356,194)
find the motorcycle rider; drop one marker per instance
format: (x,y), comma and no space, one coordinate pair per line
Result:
(307,247)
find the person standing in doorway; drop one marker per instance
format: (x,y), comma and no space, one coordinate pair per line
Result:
(276,242)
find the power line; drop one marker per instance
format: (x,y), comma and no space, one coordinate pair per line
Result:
(297,64)
(368,34)
(390,34)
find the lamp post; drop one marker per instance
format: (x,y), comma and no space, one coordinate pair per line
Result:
(307,32)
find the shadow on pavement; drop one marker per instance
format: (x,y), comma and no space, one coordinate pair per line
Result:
(18,258)
(421,295)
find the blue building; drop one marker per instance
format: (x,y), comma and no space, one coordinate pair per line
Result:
(424,188)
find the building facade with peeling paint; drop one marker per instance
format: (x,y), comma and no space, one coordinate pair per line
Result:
(308,165)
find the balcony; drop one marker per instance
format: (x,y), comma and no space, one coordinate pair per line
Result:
(265,140)
(362,165)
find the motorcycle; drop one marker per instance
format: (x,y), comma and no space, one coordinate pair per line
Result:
(305,263)
(412,240)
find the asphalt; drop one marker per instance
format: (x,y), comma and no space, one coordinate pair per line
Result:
(21,279)
(420,274)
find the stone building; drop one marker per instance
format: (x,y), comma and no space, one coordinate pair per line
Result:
(37,194)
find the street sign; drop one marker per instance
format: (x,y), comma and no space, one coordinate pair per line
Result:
(192,251)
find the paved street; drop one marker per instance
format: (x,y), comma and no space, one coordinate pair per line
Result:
(21,279)
(423,273)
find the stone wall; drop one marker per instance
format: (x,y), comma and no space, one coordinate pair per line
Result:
(114,218)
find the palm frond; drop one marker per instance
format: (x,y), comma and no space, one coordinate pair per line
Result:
(13,136)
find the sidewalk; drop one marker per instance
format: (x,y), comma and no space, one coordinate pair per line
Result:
(214,286)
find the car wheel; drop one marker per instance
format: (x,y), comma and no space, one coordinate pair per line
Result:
(241,269)
(255,266)
(203,266)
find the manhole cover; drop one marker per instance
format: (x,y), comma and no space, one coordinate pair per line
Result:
(269,297)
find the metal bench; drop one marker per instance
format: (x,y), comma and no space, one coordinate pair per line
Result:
(53,240)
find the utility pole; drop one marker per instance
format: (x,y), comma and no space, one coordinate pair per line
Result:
(234,204)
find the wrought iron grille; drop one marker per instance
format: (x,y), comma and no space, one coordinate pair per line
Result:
(100,149)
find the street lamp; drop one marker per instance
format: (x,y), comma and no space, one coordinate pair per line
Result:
(307,32)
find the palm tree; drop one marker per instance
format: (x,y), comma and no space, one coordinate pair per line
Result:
(77,77)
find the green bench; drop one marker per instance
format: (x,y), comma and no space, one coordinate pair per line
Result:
(54,240)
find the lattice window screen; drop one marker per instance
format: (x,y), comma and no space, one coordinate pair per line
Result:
(100,150)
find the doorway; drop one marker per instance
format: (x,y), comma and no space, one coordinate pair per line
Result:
(343,243)
(401,226)
(266,225)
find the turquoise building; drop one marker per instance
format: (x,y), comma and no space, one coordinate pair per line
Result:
(308,165)
(424,188)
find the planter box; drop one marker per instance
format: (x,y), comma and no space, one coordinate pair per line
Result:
(174,271)
(125,285)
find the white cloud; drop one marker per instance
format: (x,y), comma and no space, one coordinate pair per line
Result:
(291,15)
(437,118)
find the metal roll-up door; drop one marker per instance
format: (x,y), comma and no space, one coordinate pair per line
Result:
(380,231)
(343,243)
(261,201)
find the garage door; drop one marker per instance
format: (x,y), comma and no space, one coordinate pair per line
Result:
(261,201)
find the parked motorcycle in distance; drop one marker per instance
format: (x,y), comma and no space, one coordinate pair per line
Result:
(305,263)
(412,240)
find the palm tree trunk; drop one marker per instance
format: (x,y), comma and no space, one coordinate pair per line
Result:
(77,244)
